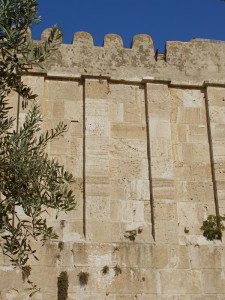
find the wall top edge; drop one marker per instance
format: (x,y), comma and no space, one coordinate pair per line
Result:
(135,80)
(194,61)
(112,38)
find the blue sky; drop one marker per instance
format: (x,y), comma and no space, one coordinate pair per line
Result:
(163,20)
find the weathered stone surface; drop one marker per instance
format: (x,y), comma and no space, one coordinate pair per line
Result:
(145,143)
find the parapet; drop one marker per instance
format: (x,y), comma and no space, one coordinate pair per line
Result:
(198,60)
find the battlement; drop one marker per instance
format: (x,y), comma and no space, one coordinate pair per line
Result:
(196,61)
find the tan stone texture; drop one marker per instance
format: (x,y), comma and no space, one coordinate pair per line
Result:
(145,143)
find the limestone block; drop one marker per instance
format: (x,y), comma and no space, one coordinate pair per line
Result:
(63,90)
(45,278)
(97,126)
(97,189)
(162,168)
(80,253)
(126,93)
(159,129)
(198,191)
(134,113)
(182,171)
(59,146)
(180,188)
(187,213)
(128,148)
(97,255)
(179,257)
(98,231)
(177,152)
(159,109)
(135,255)
(47,254)
(10,278)
(161,147)
(160,256)
(166,231)
(116,112)
(163,189)
(117,232)
(97,146)
(74,231)
(96,89)
(118,189)
(191,115)
(14,294)
(132,211)
(218,151)
(132,280)
(128,131)
(219,170)
(116,213)
(218,132)
(73,110)
(98,208)
(158,93)
(165,209)
(138,189)
(57,109)
(186,97)
(210,257)
(180,282)
(197,133)
(217,114)
(76,129)
(216,96)
(213,281)
(128,168)
(97,165)
(147,211)
(96,107)
(76,146)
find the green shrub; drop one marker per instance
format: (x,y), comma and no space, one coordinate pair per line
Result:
(212,227)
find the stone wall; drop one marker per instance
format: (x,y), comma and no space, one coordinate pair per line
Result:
(145,142)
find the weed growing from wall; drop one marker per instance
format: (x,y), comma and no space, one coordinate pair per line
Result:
(105,270)
(212,227)
(63,284)
(117,270)
(83,278)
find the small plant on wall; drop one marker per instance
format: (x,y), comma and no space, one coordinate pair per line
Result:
(63,284)
(105,270)
(83,278)
(213,227)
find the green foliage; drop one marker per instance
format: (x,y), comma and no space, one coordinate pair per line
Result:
(212,227)
(131,234)
(30,182)
(105,270)
(63,284)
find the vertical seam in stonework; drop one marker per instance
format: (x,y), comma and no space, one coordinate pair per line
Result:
(149,163)
(211,153)
(84,159)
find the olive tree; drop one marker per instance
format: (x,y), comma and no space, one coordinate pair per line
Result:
(30,181)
